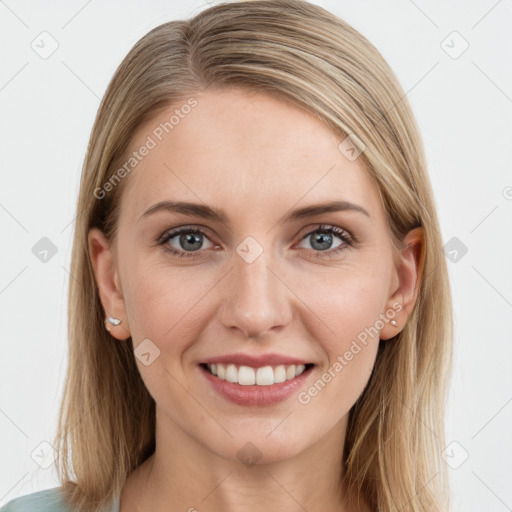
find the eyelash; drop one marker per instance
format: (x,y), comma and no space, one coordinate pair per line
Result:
(345,236)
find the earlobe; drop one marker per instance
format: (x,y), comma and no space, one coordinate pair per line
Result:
(409,273)
(108,283)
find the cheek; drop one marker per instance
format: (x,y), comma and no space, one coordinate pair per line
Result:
(164,306)
(167,305)
(343,303)
(344,316)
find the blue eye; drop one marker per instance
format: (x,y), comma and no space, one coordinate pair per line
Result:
(191,241)
(189,238)
(324,235)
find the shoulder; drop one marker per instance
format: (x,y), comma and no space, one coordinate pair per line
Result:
(48,500)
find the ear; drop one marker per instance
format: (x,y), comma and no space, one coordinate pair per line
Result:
(407,276)
(107,280)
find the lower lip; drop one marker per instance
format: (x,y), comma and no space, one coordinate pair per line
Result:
(255,395)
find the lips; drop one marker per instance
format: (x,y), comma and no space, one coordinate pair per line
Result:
(255,380)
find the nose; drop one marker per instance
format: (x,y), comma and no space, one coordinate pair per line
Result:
(255,298)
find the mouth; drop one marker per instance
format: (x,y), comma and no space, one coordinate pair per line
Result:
(250,386)
(268,375)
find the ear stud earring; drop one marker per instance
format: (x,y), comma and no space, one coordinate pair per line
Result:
(112,321)
(393,323)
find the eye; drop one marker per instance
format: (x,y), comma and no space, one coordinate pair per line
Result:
(188,241)
(321,240)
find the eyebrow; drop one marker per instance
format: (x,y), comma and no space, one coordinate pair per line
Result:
(217,215)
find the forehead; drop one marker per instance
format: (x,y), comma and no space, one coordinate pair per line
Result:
(242,149)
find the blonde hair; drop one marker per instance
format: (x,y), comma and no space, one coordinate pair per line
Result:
(299,52)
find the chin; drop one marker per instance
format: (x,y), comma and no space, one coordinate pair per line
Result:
(260,448)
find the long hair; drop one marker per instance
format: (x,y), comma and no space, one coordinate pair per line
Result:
(300,52)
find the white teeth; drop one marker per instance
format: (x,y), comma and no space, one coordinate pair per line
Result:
(279,374)
(231,373)
(264,376)
(246,376)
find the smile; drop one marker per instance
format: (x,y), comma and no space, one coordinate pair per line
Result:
(261,386)
(263,376)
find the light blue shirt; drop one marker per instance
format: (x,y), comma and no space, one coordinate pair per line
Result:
(49,500)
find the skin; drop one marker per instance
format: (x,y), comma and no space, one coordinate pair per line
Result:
(256,158)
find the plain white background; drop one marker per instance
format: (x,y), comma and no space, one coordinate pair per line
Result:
(462,99)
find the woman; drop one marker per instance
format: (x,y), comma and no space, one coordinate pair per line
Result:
(260,314)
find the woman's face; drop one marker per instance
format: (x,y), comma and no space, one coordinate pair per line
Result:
(256,279)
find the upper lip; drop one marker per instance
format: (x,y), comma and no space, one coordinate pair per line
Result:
(258,361)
